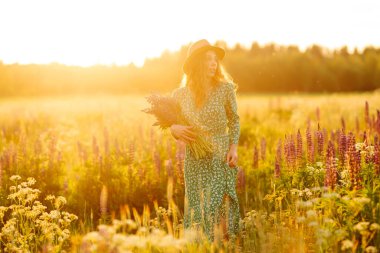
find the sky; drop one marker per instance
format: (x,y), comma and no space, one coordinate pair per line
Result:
(89,32)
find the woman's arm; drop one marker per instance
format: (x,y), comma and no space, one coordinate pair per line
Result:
(181,132)
(233,125)
(232,115)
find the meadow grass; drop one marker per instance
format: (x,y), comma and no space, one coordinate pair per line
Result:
(123,178)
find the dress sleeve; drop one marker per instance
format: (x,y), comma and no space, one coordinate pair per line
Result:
(174,94)
(232,115)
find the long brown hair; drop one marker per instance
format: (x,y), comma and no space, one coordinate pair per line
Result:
(196,79)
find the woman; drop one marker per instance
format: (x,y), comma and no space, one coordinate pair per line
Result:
(208,101)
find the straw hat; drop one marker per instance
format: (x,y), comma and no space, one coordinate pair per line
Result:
(198,47)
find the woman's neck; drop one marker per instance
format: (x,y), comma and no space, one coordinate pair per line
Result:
(208,83)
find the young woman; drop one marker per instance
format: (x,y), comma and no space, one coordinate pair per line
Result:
(208,101)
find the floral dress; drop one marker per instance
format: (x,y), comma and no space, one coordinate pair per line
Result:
(209,179)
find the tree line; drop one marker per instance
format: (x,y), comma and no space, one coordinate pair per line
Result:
(258,69)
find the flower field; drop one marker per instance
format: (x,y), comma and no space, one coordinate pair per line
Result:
(91,174)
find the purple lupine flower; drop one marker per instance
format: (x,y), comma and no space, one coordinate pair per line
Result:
(292,151)
(180,159)
(241,179)
(319,137)
(354,162)
(376,156)
(277,168)
(255,164)
(157,162)
(342,147)
(299,147)
(263,148)
(289,151)
(350,142)
(331,168)
(310,147)
(278,151)
(286,151)
(169,167)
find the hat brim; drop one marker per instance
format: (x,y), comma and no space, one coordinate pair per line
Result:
(188,62)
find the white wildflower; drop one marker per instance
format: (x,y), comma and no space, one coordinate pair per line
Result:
(359,146)
(371,249)
(59,202)
(374,226)
(361,226)
(313,224)
(30,181)
(300,219)
(347,244)
(319,164)
(50,197)
(15,178)
(311,213)
(361,200)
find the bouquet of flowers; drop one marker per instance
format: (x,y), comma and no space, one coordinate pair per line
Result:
(168,112)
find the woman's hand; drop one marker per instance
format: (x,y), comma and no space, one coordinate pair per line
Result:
(183,133)
(232,156)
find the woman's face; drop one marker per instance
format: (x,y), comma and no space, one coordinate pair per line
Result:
(211,63)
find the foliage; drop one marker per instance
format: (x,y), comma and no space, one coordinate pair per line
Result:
(308,177)
(27,226)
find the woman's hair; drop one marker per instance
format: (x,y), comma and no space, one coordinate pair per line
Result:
(197,77)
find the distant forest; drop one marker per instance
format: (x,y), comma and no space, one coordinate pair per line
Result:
(258,69)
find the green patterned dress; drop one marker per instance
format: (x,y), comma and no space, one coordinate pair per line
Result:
(207,180)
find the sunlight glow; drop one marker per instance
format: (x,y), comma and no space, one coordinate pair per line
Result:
(119,32)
